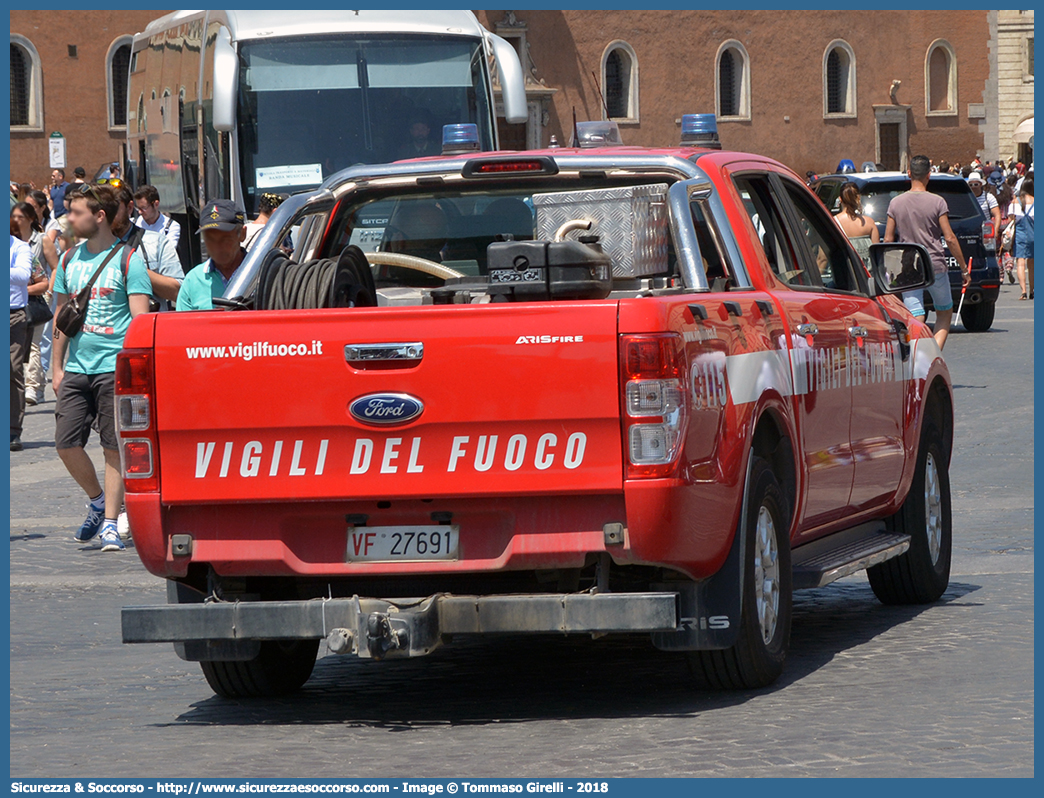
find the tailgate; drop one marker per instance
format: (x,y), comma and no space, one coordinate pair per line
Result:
(516,399)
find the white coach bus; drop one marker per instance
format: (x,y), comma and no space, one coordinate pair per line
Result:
(234,104)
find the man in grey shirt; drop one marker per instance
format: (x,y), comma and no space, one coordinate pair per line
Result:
(920,217)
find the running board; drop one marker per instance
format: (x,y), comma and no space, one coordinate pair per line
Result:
(825,560)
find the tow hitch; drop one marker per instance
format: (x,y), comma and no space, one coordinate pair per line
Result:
(382,638)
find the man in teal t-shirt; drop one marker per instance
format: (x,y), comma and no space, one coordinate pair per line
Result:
(223,228)
(85,383)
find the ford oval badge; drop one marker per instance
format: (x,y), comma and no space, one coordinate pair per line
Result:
(385,409)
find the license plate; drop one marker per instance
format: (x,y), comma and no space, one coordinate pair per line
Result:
(403,543)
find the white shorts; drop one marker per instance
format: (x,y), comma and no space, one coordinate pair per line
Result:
(942,296)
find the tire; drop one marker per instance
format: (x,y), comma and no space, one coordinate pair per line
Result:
(921,574)
(281,667)
(978,318)
(756,658)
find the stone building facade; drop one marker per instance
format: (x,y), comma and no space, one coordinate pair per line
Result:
(1014,79)
(807,88)
(67,59)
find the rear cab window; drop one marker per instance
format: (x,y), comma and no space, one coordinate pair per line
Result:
(959,199)
(454,226)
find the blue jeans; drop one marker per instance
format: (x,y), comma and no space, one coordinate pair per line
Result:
(45,343)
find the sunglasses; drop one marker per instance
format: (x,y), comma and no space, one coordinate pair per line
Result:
(83,188)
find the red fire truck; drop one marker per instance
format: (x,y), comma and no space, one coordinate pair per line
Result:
(575,391)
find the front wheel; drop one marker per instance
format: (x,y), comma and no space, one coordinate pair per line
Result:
(922,573)
(280,667)
(756,658)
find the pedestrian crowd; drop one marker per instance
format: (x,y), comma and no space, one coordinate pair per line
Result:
(1003,191)
(998,188)
(1005,194)
(86,258)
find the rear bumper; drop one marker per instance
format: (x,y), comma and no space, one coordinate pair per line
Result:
(984,286)
(379,628)
(974,295)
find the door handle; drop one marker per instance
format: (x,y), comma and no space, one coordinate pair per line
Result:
(807,329)
(406,353)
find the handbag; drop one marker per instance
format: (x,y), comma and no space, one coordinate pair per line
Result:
(1008,236)
(73,313)
(37,312)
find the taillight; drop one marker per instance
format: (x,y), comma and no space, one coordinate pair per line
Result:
(136,420)
(509,164)
(989,236)
(652,371)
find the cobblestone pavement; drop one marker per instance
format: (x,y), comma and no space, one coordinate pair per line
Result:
(942,690)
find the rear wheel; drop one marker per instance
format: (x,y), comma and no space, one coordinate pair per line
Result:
(281,667)
(978,318)
(922,573)
(757,657)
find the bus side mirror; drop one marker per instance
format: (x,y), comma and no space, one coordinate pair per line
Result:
(512,84)
(900,267)
(226,82)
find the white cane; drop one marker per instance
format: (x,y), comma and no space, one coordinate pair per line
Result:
(964,288)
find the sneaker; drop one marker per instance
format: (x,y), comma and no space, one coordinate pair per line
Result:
(123,526)
(16,443)
(31,399)
(110,538)
(89,528)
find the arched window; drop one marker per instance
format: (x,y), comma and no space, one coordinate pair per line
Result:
(26,97)
(620,82)
(839,83)
(117,70)
(940,79)
(732,88)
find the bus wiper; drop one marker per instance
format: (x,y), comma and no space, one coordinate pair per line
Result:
(364,85)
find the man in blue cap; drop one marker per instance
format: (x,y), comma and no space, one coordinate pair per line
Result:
(223,227)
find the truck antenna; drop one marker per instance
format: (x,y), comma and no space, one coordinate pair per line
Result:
(600,97)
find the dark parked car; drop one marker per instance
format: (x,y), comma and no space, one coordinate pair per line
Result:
(973,229)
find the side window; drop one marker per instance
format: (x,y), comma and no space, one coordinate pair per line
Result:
(830,195)
(829,250)
(764,215)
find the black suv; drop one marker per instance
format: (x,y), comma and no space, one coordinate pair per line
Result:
(973,230)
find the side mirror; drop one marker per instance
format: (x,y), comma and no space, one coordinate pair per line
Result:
(226,82)
(512,81)
(900,267)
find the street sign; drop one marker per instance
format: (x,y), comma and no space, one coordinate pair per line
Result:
(56,147)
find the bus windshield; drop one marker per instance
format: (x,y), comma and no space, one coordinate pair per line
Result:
(312,106)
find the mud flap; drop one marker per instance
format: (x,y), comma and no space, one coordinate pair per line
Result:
(208,650)
(709,610)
